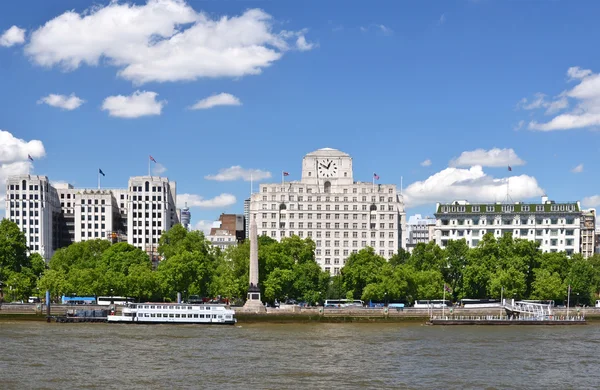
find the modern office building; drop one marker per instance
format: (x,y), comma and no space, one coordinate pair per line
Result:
(340,214)
(247,217)
(54,216)
(588,233)
(556,226)
(419,229)
(227,231)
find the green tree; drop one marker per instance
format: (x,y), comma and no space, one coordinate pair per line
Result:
(361,269)
(547,285)
(54,281)
(13,249)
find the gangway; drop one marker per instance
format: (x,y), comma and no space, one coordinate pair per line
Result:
(520,309)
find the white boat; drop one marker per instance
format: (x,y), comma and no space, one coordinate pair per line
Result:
(169,313)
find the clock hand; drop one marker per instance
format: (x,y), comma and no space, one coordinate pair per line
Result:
(323,166)
(328,165)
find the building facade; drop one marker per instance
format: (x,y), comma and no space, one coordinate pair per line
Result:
(327,205)
(588,233)
(54,216)
(419,229)
(228,230)
(555,226)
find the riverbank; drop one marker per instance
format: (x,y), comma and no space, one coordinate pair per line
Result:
(295,314)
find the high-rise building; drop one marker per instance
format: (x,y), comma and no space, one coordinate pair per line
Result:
(32,203)
(247,217)
(588,232)
(555,226)
(340,214)
(419,229)
(185,217)
(54,216)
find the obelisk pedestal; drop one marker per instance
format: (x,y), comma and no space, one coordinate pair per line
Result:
(253,301)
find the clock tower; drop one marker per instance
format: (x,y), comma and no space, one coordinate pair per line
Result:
(329,166)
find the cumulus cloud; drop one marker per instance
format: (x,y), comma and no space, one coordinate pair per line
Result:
(591,201)
(442,19)
(12,36)
(470,184)
(303,45)
(586,95)
(161,41)
(219,201)
(487,158)
(540,101)
(577,169)
(426,163)
(65,102)
(205,225)
(134,106)
(14,158)
(221,99)
(385,30)
(236,172)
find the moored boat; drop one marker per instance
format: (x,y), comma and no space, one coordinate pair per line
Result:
(169,313)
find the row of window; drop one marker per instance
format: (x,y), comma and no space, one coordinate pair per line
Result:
(327,225)
(364,217)
(516,221)
(24,221)
(24,197)
(15,213)
(146,215)
(32,187)
(516,232)
(309,207)
(147,206)
(508,208)
(147,188)
(336,199)
(309,190)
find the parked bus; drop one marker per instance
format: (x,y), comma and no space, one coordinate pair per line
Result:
(74,300)
(432,304)
(469,303)
(107,301)
(344,303)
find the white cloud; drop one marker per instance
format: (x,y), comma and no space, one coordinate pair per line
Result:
(552,107)
(62,101)
(158,169)
(221,99)
(236,172)
(442,19)
(577,169)
(426,163)
(14,158)
(487,158)
(12,36)
(378,28)
(386,30)
(134,106)
(469,184)
(302,45)
(519,125)
(162,40)
(219,201)
(205,225)
(586,112)
(591,201)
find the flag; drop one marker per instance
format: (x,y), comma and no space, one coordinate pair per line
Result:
(509,168)
(152,159)
(29,157)
(286,173)
(447,288)
(376,176)
(100,172)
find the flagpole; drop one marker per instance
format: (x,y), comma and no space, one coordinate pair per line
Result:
(251,185)
(148,166)
(373,189)
(568,300)
(282,180)
(98,178)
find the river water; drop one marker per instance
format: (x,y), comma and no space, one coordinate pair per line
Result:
(37,355)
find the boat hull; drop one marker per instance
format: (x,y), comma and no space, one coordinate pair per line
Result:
(505,322)
(182,321)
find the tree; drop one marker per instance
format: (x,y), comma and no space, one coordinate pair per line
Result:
(54,281)
(13,249)
(547,285)
(360,270)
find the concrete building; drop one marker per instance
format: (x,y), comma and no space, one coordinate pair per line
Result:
(247,217)
(556,226)
(419,229)
(340,214)
(588,233)
(54,216)
(32,203)
(185,217)
(227,231)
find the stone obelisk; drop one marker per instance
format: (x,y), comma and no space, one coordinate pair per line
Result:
(254,302)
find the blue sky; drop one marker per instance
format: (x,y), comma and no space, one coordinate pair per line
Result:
(445,94)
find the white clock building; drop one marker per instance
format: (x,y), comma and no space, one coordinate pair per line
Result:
(341,215)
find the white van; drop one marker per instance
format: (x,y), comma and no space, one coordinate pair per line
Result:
(33,300)
(598,303)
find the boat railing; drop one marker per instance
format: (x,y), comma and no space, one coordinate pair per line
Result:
(507,318)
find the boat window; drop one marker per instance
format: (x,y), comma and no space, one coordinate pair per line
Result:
(151,307)
(152,315)
(171,315)
(195,315)
(189,316)
(177,316)
(201,315)
(189,308)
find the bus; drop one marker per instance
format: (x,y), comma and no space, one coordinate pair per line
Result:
(344,303)
(432,303)
(74,300)
(107,301)
(469,303)
(550,302)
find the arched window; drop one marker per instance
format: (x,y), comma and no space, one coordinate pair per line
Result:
(147,186)
(327,187)
(24,185)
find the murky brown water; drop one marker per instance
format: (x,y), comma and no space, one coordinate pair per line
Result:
(277,356)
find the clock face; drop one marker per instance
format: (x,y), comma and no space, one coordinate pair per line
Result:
(327,168)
